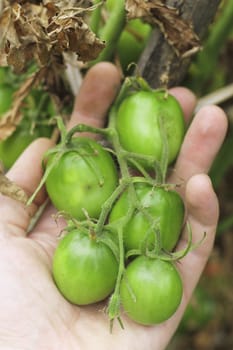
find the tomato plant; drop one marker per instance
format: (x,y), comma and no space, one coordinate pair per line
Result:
(161,207)
(12,147)
(5,77)
(34,124)
(2,75)
(83,178)
(6,98)
(151,290)
(84,268)
(146,120)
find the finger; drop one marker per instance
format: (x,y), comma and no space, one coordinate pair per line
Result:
(26,172)
(186,99)
(203,213)
(97,92)
(202,205)
(201,143)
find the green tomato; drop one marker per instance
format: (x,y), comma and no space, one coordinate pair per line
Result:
(83,179)
(132,42)
(139,119)
(151,290)
(84,269)
(165,207)
(6,98)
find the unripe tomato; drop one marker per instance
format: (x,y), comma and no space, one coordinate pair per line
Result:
(84,269)
(139,119)
(164,206)
(132,42)
(151,290)
(83,179)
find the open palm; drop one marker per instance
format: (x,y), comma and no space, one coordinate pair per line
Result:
(34,315)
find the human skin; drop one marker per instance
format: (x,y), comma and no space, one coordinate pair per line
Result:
(33,313)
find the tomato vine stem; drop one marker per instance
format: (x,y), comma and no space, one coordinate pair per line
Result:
(85,128)
(111,31)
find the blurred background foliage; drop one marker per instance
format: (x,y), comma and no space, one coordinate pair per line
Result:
(208,321)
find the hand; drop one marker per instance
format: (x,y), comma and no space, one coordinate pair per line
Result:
(34,315)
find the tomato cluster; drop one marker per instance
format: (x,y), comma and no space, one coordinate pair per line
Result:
(123,225)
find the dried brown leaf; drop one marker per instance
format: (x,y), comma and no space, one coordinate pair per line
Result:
(43,31)
(12,190)
(179,33)
(12,117)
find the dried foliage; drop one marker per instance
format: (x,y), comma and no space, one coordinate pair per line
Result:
(12,118)
(43,30)
(178,33)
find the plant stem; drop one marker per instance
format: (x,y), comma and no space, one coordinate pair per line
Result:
(112,31)
(207,59)
(96,16)
(216,97)
(85,128)
(114,304)
(107,206)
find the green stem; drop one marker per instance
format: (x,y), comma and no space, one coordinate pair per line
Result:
(135,157)
(107,206)
(86,128)
(163,165)
(114,303)
(125,181)
(112,31)
(207,59)
(96,16)
(62,129)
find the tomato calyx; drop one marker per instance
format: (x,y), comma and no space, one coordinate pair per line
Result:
(89,227)
(69,143)
(113,310)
